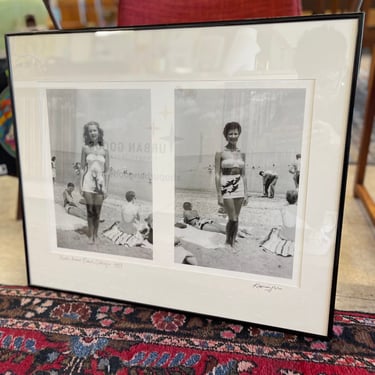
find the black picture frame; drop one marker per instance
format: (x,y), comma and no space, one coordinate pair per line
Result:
(162,95)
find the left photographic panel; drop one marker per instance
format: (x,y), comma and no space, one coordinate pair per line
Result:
(101,178)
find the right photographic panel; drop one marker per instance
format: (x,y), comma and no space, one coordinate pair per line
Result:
(238,172)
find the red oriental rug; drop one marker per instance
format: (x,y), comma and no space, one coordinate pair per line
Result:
(46,332)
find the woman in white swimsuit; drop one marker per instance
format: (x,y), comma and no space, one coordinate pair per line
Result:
(231,184)
(94,175)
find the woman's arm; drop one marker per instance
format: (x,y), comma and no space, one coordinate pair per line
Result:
(106,172)
(244,179)
(137,215)
(121,222)
(83,167)
(65,198)
(218,177)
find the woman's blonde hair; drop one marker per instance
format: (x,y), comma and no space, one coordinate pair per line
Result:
(86,135)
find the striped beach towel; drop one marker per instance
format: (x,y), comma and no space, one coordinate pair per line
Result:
(117,236)
(278,245)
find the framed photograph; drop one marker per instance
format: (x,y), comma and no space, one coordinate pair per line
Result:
(198,167)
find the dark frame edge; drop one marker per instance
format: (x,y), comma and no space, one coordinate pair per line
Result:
(358,52)
(357,15)
(223,23)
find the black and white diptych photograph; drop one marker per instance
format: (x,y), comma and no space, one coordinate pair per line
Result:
(237,173)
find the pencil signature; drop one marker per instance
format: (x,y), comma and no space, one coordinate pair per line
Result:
(267,288)
(84,260)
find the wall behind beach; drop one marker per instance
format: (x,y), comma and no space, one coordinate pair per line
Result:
(124,174)
(198,173)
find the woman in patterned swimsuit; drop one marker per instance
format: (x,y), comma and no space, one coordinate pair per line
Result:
(94,175)
(231,184)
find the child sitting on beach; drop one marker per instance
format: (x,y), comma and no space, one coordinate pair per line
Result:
(69,203)
(280,240)
(193,218)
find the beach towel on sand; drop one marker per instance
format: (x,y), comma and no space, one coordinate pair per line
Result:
(278,245)
(64,221)
(209,240)
(118,237)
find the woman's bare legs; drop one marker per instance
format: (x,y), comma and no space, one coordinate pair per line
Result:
(233,208)
(94,203)
(98,207)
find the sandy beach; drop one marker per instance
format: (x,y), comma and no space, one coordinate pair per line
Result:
(77,238)
(258,217)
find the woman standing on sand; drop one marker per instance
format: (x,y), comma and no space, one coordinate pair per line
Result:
(231,184)
(94,175)
(53,166)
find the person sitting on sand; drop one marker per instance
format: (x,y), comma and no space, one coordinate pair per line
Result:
(70,205)
(181,254)
(130,218)
(128,231)
(193,218)
(280,240)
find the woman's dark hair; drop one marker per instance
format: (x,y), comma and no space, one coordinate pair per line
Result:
(86,135)
(187,206)
(231,126)
(130,195)
(292,196)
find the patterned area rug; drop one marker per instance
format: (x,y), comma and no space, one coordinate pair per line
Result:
(45,332)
